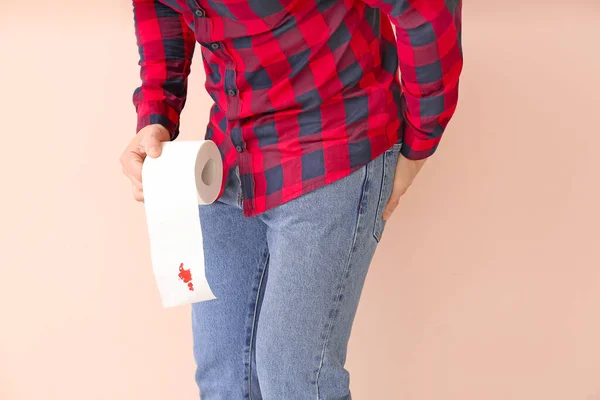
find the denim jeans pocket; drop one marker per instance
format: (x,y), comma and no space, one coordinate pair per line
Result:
(390,159)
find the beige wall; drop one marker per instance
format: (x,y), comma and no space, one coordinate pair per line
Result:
(487,281)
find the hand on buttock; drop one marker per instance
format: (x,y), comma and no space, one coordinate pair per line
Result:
(406,171)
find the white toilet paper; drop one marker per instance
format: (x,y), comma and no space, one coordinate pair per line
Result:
(186,174)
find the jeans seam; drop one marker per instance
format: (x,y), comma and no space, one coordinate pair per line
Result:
(240,196)
(376,226)
(253,330)
(379,224)
(359,217)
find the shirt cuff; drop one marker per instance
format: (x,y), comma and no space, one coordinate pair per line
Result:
(417,145)
(158,112)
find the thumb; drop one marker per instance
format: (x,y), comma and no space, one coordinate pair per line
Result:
(392,203)
(389,208)
(152,146)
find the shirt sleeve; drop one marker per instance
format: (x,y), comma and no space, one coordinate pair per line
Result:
(428,39)
(166,46)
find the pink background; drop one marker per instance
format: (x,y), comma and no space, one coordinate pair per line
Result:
(485,286)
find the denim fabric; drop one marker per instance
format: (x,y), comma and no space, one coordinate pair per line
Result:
(288,283)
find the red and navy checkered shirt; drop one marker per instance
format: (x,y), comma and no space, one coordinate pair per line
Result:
(305,91)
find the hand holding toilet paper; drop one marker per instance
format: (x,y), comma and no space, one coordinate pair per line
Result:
(185,175)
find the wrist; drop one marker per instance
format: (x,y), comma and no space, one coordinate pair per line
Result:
(158,113)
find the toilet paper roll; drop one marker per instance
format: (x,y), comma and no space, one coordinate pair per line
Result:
(185,175)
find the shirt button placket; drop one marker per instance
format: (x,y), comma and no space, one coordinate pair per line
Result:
(237,139)
(232,92)
(202,25)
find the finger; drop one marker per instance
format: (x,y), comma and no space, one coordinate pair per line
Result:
(138,195)
(389,208)
(135,183)
(134,169)
(130,158)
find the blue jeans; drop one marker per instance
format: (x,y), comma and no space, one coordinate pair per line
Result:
(288,283)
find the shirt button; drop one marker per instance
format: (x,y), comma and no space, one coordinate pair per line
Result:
(200,13)
(231,92)
(239,149)
(215,46)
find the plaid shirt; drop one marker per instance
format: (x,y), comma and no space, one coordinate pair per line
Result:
(305,91)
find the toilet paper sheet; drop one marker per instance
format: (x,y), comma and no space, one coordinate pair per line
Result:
(185,175)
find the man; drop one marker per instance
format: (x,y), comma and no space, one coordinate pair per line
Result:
(319,138)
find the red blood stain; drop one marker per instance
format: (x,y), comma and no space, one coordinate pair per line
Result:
(186,276)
